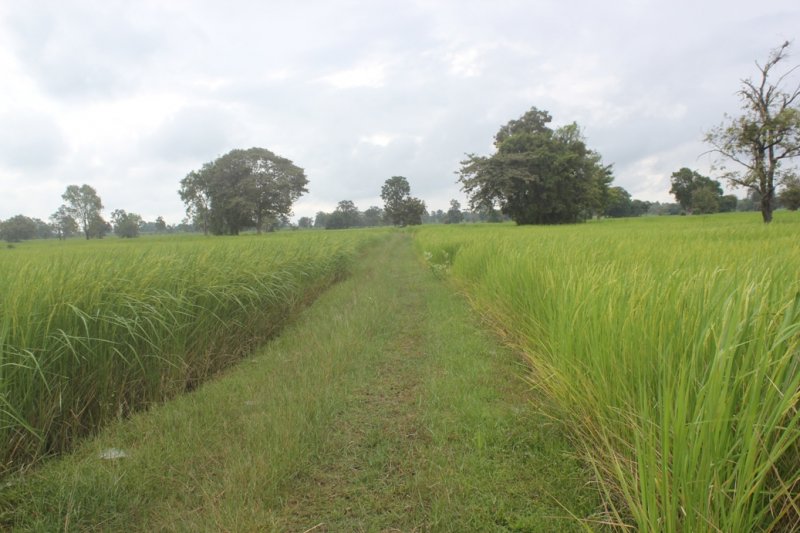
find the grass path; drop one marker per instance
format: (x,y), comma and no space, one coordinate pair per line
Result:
(384,407)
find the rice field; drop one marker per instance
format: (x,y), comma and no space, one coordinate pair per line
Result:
(670,348)
(91,331)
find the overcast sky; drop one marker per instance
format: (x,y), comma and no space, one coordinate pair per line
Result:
(131,96)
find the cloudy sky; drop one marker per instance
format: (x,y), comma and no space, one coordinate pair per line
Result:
(131,96)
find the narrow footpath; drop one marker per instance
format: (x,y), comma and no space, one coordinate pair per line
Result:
(384,407)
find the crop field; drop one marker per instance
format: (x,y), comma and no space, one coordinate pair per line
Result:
(91,331)
(661,364)
(671,348)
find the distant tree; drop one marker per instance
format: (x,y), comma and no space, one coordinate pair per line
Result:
(686,183)
(126,225)
(400,208)
(84,206)
(321,220)
(618,203)
(195,193)
(454,214)
(765,137)
(63,223)
(537,175)
(727,203)
(98,227)
(345,215)
(373,216)
(790,195)
(705,200)
(243,188)
(639,207)
(18,228)
(160,225)
(305,222)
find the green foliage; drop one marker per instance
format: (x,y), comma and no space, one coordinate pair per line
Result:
(400,208)
(454,214)
(538,175)
(346,215)
(686,184)
(64,225)
(243,188)
(671,347)
(126,225)
(790,195)
(763,140)
(83,205)
(18,228)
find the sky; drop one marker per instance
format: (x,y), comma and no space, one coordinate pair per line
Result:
(130,97)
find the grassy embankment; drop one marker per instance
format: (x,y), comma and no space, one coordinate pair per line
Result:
(672,347)
(383,406)
(91,331)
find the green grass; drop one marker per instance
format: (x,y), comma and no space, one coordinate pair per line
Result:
(92,331)
(384,406)
(671,347)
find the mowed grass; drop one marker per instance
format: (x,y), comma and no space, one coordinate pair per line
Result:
(92,331)
(383,407)
(670,345)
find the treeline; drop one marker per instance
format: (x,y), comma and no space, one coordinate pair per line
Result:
(81,214)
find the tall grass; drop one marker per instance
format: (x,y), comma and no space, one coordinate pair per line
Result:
(672,347)
(92,331)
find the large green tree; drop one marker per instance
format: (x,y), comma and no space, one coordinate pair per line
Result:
(400,208)
(243,188)
(695,192)
(126,225)
(763,140)
(84,206)
(537,175)
(63,223)
(18,228)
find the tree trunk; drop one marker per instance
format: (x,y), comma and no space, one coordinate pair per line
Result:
(766,208)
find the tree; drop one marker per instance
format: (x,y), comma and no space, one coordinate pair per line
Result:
(454,214)
(373,216)
(98,227)
(84,206)
(399,207)
(18,228)
(126,225)
(728,203)
(687,183)
(537,175)
(790,195)
(243,188)
(764,139)
(160,225)
(619,203)
(346,215)
(63,223)
(305,222)
(705,200)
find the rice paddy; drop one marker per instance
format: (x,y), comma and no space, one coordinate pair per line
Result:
(671,346)
(668,348)
(92,331)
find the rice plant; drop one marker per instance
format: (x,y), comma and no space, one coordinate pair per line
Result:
(92,331)
(672,348)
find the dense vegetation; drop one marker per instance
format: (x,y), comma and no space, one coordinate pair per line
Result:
(671,346)
(90,331)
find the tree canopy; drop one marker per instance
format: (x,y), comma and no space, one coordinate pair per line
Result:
(400,208)
(243,188)
(695,192)
(84,206)
(537,175)
(763,140)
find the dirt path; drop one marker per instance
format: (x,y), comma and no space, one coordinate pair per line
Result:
(440,436)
